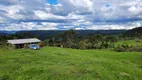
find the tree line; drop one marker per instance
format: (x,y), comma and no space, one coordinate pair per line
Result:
(70,39)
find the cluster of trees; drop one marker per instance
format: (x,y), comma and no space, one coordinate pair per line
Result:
(70,39)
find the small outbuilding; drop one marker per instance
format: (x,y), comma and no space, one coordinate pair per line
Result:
(22,43)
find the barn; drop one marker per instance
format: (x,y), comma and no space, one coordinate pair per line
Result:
(22,43)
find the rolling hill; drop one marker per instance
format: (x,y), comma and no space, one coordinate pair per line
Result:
(136,32)
(43,34)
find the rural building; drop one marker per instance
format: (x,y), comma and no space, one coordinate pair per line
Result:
(22,43)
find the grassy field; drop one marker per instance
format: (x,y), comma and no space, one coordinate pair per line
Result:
(69,64)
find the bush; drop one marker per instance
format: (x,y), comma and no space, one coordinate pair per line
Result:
(126,48)
(120,49)
(137,49)
(44,43)
(89,45)
(75,46)
(4,46)
(138,41)
(82,45)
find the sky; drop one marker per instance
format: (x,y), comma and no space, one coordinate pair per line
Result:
(70,14)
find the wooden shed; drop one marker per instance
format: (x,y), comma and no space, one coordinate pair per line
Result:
(22,43)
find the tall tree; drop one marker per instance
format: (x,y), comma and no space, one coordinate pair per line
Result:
(59,40)
(96,40)
(69,38)
(111,40)
(82,45)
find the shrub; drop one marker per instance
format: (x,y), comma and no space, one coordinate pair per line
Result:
(126,48)
(75,46)
(89,45)
(82,45)
(120,49)
(105,45)
(138,41)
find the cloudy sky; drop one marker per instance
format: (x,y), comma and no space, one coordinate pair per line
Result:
(70,14)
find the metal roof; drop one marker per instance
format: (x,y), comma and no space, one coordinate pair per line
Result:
(23,41)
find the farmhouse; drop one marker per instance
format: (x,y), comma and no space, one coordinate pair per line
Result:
(22,43)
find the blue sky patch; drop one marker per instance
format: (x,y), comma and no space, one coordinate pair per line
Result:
(52,1)
(107,5)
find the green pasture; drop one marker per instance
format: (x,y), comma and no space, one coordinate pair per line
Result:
(50,63)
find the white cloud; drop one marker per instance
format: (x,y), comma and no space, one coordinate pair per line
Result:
(45,16)
(79,29)
(31,26)
(47,26)
(66,27)
(68,14)
(1,20)
(21,26)
(132,8)
(78,6)
(12,12)
(114,26)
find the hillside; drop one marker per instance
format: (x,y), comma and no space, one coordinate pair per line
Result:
(44,34)
(51,63)
(136,32)
(4,33)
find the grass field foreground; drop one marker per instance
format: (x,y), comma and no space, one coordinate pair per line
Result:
(51,63)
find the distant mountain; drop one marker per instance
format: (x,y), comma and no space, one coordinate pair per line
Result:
(44,34)
(136,32)
(8,32)
(3,34)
